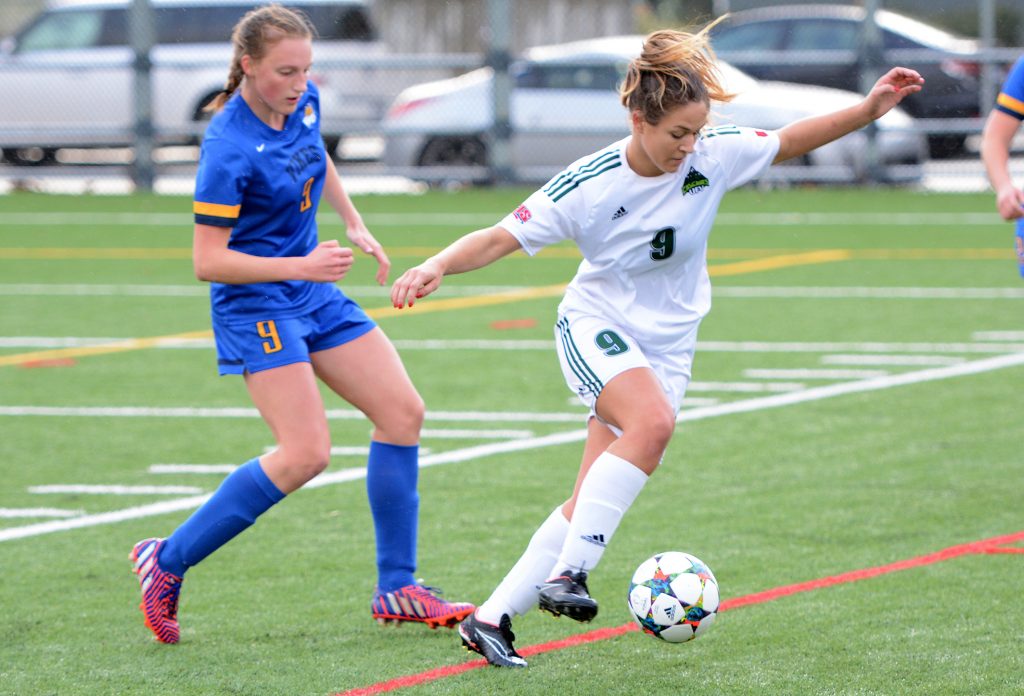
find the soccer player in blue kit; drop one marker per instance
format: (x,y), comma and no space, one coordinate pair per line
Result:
(281,323)
(1001,126)
(640,211)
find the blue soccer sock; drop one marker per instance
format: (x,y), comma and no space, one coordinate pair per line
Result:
(391,475)
(243,496)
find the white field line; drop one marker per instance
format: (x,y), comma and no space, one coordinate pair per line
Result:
(337,450)
(876,384)
(854,347)
(804,373)
(527,344)
(746,406)
(466,434)
(695,401)
(453,290)
(890,360)
(997,336)
(459,455)
(744,387)
(84,489)
(192,468)
(839,218)
(842,293)
(112,517)
(347,451)
(202,290)
(245,412)
(14,513)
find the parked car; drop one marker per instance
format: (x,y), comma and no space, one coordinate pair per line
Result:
(952,80)
(564,105)
(67,75)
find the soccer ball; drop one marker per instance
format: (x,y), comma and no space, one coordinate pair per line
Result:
(673,596)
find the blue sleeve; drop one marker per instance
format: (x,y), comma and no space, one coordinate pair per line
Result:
(1011,97)
(221,180)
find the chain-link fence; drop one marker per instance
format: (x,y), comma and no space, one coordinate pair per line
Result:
(485,90)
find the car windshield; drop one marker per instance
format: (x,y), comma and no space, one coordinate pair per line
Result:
(62,31)
(923,33)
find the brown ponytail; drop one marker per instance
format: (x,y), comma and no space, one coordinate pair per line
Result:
(253,35)
(674,68)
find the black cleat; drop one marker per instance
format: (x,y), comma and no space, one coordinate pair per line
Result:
(493,642)
(568,594)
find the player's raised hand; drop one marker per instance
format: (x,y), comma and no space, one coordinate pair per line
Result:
(360,236)
(891,88)
(328,263)
(415,283)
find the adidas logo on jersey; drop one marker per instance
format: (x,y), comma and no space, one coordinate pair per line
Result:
(619,213)
(694,182)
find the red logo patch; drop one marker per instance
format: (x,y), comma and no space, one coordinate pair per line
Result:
(522,213)
(761,133)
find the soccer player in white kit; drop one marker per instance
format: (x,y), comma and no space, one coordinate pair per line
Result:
(640,211)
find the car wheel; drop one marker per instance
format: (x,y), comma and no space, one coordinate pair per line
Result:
(946,146)
(450,151)
(331,143)
(200,113)
(30,156)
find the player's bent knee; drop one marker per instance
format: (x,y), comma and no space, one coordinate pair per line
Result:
(652,434)
(404,421)
(307,462)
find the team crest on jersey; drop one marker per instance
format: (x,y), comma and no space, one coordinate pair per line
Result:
(694,182)
(522,213)
(309,116)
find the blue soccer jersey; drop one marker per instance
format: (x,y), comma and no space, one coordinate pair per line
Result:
(1011,97)
(265,185)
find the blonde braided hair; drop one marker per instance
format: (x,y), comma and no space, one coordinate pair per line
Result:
(255,32)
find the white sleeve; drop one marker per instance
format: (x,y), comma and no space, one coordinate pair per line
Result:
(541,221)
(744,153)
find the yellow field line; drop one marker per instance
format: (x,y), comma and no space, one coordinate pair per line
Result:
(438,305)
(50,253)
(474,301)
(100,349)
(771,263)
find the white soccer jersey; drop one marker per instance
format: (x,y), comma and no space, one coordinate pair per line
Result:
(643,239)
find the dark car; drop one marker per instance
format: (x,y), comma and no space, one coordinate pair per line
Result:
(952,79)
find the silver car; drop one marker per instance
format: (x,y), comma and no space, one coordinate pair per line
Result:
(564,105)
(67,76)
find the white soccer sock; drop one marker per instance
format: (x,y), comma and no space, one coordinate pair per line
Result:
(517,593)
(611,486)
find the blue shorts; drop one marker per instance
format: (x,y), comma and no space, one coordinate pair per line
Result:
(253,346)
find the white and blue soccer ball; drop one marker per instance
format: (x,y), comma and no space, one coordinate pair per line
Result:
(674,596)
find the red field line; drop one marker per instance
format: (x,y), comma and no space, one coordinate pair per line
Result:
(986,546)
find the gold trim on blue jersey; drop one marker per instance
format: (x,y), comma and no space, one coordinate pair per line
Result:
(1016,106)
(217,210)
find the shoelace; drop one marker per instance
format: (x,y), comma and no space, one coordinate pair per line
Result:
(581,580)
(505,626)
(169,596)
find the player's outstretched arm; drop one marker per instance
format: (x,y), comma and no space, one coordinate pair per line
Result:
(475,250)
(800,137)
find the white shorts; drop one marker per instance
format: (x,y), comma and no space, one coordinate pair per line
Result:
(593,350)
